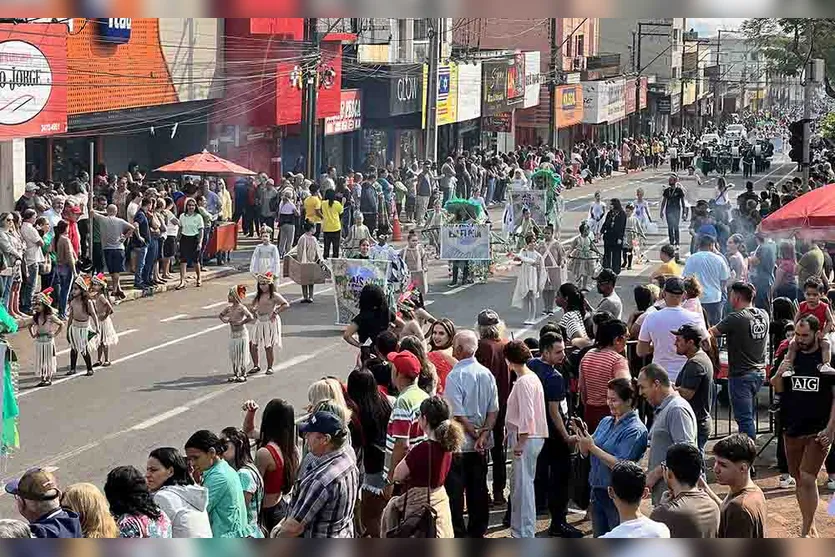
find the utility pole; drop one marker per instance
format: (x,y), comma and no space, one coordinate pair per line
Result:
(310,93)
(638,70)
(553,138)
(431,147)
(807,116)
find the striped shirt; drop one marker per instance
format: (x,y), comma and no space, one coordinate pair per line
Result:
(403,423)
(597,368)
(324,497)
(573,324)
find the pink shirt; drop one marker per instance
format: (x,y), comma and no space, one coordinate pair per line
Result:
(526,408)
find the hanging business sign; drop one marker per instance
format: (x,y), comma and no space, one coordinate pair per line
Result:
(33,80)
(604,101)
(350,114)
(494,87)
(114,29)
(406,90)
(533,79)
(631,92)
(469,91)
(447,102)
(569,105)
(642,95)
(329,86)
(516,81)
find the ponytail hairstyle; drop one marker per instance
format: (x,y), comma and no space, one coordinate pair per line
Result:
(447,433)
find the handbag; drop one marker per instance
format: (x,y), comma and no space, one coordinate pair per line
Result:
(579,487)
(421,524)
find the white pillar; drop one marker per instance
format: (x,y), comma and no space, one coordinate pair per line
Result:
(12,172)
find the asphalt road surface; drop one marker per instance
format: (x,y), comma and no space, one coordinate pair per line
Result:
(169,371)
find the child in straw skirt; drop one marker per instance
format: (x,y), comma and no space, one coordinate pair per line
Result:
(44,328)
(82,322)
(104,308)
(237,316)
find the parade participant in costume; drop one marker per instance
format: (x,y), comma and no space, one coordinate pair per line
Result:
(44,328)
(82,322)
(307,251)
(265,256)
(266,307)
(596,213)
(104,309)
(642,209)
(434,219)
(526,226)
(237,316)
(632,237)
(553,255)
(357,234)
(531,279)
(415,258)
(583,256)
(9,434)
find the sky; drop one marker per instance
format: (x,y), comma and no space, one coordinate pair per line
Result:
(707,27)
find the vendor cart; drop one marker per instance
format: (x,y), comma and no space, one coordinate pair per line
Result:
(223,240)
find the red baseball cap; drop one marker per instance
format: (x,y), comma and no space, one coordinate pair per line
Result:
(406,363)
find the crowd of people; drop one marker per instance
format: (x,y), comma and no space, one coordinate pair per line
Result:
(405,444)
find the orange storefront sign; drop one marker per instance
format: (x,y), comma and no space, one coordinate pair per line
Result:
(569,105)
(106,76)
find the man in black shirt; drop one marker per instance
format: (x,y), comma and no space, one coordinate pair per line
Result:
(695,381)
(807,404)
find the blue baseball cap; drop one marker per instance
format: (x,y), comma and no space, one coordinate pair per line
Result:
(326,423)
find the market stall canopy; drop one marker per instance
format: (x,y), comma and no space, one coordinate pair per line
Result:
(205,163)
(810,217)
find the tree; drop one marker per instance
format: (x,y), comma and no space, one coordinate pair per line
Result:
(827,126)
(787,43)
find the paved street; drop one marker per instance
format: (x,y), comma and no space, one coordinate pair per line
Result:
(169,371)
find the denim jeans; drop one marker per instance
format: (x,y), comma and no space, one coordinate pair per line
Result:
(61,283)
(6,286)
(604,515)
(139,274)
(673,219)
(743,395)
(522,492)
(27,289)
(150,261)
(491,189)
(702,435)
(714,312)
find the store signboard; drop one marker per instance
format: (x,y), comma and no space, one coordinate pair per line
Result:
(406,90)
(447,101)
(114,29)
(502,122)
(350,114)
(604,101)
(33,80)
(569,106)
(631,93)
(469,91)
(533,79)
(516,81)
(494,87)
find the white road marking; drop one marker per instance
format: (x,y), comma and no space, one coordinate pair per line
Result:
(66,351)
(159,418)
(457,289)
(520,333)
(52,461)
(173,317)
(428,302)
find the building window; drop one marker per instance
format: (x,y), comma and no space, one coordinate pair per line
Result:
(421,29)
(581,45)
(568,48)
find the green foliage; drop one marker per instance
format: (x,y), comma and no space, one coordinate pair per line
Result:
(827,126)
(785,43)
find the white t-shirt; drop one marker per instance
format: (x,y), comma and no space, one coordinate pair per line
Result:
(613,304)
(639,528)
(657,329)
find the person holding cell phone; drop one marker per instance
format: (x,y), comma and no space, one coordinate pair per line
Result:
(621,436)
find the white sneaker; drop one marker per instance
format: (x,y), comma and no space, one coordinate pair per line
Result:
(787,482)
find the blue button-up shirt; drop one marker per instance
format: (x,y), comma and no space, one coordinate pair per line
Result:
(472,393)
(625,440)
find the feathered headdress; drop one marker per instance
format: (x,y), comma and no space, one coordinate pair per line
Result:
(44,297)
(83,282)
(99,279)
(266,278)
(239,292)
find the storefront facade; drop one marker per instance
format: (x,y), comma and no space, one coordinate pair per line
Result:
(604,106)
(392,126)
(139,89)
(342,136)
(503,91)
(33,98)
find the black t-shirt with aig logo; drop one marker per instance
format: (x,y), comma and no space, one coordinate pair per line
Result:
(806,401)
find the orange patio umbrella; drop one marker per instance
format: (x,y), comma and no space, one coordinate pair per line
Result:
(205,163)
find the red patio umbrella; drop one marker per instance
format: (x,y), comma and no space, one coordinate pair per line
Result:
(811,216)
(205,163)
